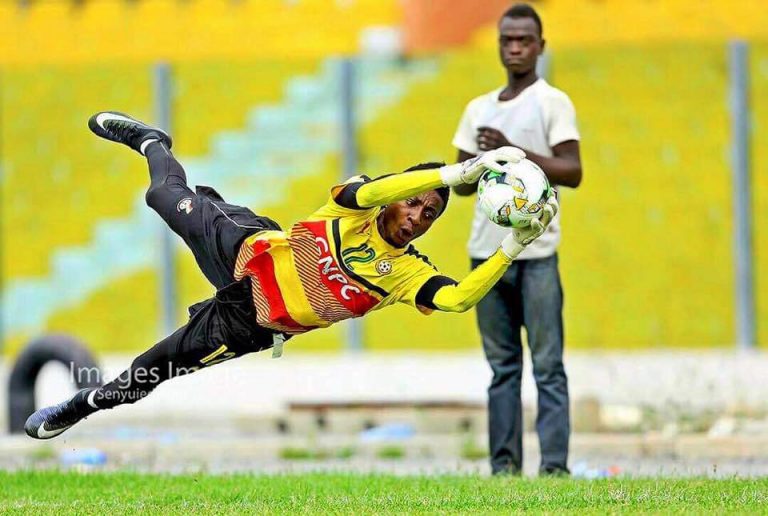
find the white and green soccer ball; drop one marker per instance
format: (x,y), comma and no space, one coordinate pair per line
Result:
(514,195)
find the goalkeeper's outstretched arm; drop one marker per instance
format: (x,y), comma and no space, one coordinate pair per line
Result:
(442,293)
(397,187)
(388,189)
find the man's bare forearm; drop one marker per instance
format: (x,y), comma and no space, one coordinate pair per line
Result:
(559,171)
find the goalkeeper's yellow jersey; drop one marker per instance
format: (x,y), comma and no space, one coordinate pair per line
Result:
(333,266)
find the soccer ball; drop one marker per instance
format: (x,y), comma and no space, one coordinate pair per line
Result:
(515,195)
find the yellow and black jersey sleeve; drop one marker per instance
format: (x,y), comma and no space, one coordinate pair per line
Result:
(462,296)
(341,201)
(438,292)
(396,187)
(362,192)
(413,289)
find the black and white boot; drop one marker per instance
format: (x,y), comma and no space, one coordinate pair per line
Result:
(121,128)
(51,421)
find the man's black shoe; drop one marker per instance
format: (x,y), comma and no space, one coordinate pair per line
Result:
(49,422)
(121,128)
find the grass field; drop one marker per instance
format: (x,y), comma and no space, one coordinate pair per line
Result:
(54,493)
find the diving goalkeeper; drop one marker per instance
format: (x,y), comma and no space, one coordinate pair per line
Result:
(351,256)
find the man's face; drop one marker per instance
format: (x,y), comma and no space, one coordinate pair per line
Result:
(406,220)
(519,44)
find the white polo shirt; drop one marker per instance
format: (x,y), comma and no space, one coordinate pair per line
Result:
(539,118)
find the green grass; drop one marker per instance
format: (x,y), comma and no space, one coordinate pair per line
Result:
(293,453)
(470,450)
(390,452)
(120,493)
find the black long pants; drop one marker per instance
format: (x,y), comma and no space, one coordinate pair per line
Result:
(219,328)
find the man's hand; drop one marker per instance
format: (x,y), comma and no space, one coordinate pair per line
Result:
(469,171)
(514,243)
(489,138)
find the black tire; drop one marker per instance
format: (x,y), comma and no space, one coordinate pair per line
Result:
(59,348)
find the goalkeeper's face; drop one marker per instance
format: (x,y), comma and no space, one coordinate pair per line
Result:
(403,221)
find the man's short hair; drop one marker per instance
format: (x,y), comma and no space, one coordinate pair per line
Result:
(524,11)
(444,192)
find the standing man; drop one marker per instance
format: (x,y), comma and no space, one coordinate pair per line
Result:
(532,115)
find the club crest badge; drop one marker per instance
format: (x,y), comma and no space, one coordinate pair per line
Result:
(383,267)
(184,206)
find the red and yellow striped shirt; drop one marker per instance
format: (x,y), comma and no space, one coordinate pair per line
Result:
(333,266)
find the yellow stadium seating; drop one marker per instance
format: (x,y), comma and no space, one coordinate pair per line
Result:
(655,129)
(659,270)
(215,96)
(642,22)
(646,256)
(59,179)
(109,30)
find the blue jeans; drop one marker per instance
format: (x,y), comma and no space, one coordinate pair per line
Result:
(529,294)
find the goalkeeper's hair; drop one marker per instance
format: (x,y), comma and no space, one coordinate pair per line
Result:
(444,192)
(524,11)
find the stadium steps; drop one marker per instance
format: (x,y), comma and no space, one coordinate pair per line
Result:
(291,139)
(279,142)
